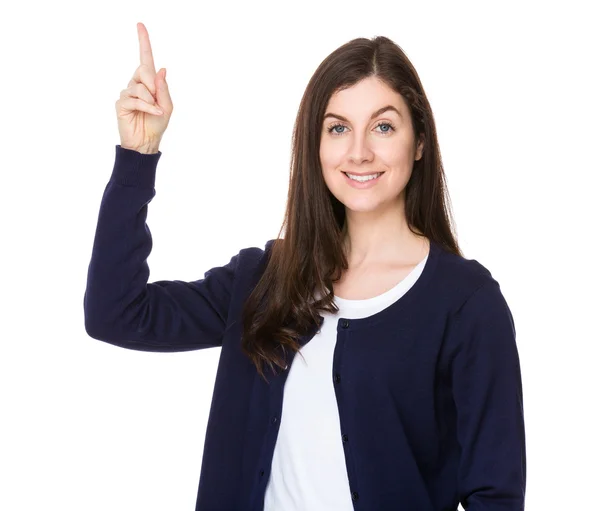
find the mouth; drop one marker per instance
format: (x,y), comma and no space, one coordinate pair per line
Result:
(363,181)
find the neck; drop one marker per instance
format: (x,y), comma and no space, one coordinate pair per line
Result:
(381,237)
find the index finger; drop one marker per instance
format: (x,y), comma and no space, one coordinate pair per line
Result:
(145,48)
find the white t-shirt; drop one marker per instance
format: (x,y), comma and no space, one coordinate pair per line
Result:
(308,470)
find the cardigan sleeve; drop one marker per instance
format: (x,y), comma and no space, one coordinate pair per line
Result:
(120,306)
(487,391)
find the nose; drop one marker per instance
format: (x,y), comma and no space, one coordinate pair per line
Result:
(359,150)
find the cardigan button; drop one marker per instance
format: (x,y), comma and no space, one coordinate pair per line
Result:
(262,473)
(273,420)
(345,323)
(354,495)
(337,378)
(345,438)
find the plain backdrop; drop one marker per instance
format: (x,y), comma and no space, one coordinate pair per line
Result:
(514,89)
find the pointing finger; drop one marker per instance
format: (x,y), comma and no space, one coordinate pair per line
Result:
(145,48)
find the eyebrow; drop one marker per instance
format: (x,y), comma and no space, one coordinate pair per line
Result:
(375,114)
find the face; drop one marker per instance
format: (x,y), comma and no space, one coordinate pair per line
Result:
(360,136)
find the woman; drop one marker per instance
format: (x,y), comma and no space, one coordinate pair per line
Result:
(406,391)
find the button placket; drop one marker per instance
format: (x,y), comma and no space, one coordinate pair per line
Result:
(344,323)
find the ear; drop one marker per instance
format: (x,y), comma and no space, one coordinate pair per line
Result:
(420,147)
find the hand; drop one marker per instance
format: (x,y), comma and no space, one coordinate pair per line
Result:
(141,126)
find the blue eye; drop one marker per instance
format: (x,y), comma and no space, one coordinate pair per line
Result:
(391,128)
(333,129)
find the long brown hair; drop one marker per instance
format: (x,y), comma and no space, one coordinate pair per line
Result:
(310,258)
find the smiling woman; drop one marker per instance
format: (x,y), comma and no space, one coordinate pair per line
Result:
(406,391)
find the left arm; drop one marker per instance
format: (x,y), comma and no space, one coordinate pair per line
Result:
(486,385)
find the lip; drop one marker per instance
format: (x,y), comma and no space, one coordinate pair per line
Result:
(366,184)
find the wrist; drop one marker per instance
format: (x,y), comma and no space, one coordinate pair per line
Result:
(145,149)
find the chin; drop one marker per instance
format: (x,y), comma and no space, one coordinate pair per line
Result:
(361,206)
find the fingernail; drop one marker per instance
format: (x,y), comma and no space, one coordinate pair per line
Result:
(158,111)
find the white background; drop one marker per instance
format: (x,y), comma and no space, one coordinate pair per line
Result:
(514,90)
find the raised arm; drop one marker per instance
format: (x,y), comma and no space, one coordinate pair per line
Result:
(120,306)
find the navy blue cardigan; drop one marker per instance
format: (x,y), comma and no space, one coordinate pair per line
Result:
(428,390)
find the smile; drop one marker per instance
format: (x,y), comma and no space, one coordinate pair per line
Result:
(362,182)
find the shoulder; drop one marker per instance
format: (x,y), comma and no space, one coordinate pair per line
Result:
(255,253)
(461,277)
(254,257)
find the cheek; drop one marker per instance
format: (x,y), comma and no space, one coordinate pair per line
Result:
(393,154)
(328,157)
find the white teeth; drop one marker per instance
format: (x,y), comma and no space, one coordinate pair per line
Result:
(362,179)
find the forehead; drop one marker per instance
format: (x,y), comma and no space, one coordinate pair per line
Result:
(365,97)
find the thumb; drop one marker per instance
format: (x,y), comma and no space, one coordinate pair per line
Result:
(163,98)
